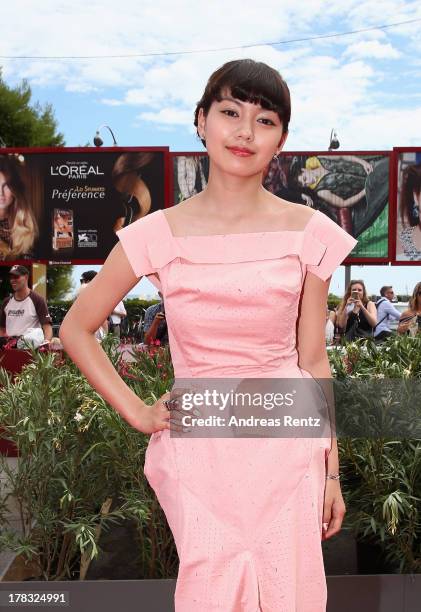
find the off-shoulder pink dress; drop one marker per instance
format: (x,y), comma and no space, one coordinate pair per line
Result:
(245,513)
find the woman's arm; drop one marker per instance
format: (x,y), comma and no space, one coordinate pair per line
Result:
(342,316)
(405,321)
(312,356)
(358,160)
(87,314)
(334,200)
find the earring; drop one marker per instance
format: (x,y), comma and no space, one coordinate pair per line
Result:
(275,156)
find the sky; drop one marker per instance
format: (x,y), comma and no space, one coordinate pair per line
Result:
(365,84)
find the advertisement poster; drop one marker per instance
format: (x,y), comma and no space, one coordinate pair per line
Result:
(191,174)
(67,205)
(408,204)
(353,190)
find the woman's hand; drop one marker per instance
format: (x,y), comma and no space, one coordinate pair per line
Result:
(405,323)
(333,509)
(356,303)
(307,200)
(149,419)
(366,165)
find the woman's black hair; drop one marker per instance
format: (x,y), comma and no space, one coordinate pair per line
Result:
(248,81)
(296,168)
(411,184)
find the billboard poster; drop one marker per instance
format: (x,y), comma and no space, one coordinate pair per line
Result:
(67,205)
(408,206)
(352,189)
(191,173)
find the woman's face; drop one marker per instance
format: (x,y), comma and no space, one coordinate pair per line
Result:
(6,195)
(241,138)
(306,177)
(359,288)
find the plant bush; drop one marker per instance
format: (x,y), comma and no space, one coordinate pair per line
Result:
(75,454)
(382,475)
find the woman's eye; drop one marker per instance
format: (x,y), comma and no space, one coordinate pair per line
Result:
(267,121)
(229,112)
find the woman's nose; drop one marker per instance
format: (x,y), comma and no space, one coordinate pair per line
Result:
(245,130)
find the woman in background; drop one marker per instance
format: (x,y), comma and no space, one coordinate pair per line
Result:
(410,321)
(356,315)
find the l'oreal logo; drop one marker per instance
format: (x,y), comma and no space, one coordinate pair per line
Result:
(82,171)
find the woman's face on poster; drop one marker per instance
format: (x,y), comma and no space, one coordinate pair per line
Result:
(6,195)
(60,222)
(306,177)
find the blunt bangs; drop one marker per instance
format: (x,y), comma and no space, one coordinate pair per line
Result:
(248,81)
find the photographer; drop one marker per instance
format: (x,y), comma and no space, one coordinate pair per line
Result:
(357,315)
(155,325)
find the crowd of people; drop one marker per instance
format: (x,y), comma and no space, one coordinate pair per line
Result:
(25,314)
(358,316)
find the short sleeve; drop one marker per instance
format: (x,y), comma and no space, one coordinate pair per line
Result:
(41,308)
(337,242)
(134,240)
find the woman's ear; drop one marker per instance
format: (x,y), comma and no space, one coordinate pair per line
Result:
(282,142)
(201,123)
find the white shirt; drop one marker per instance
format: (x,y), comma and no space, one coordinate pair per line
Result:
(118,314)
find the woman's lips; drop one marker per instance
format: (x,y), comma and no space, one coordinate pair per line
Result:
(241,152)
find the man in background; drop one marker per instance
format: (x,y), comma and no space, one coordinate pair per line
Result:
(116,317)
(385,313)
(25,309)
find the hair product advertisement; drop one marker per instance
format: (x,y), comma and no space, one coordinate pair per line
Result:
(72,202)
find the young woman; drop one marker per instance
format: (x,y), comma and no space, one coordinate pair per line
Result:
(410,321)
(245,279)
(18,226)
(356,315)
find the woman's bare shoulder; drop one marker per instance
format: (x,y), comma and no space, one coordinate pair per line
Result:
(289,215)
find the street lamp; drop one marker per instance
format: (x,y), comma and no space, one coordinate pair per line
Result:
(98,142)
(334,142)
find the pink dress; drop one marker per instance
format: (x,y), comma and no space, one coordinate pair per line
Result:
(245,513)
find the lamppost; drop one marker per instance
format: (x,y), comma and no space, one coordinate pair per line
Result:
(334,142)
(98,142)
(344,215)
